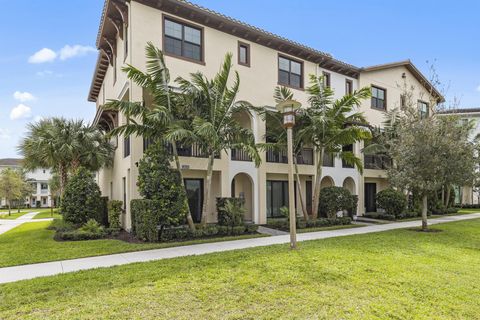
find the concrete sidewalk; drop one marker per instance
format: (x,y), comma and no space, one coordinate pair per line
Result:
(7,224)
(16,273)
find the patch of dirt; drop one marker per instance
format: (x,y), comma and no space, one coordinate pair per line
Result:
(426,231)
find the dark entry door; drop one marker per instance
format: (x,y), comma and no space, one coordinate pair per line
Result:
(308,195)
(370,193)
(194,189)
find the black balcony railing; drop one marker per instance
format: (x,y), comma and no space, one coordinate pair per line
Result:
(378,162)
(305,157)
(193,150)
(240,155)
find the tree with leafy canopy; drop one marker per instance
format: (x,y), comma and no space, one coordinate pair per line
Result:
(11,184)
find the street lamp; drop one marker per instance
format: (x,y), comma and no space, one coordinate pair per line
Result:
(288,108)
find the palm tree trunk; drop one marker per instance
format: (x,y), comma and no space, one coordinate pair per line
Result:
(424,213)
(300,190)
(179,168)
(63,178)
(447,200)
(208,189)
(318,179)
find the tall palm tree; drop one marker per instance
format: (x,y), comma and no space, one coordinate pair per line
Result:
(64,145)
(162,115)
(331,124)
(214,127)
(276,137)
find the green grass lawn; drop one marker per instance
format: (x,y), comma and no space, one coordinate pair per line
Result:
(32,243)
(400,274)
(15,214)
(47,213)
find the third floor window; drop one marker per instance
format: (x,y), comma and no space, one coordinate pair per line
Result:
(182,40)
(379,98)
(290,72)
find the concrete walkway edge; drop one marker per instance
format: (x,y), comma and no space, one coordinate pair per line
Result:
(24,272)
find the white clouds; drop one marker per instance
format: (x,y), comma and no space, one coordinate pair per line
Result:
(44,73)
(42,56)
(23,96)
(67,52)
(21,112)
(478,88)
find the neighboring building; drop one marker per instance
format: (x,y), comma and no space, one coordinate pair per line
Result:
(196,39)
(466,194)
(41,197)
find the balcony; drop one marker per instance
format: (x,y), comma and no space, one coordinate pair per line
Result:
(305,157)
(377,162)
(240,155)
(193,150)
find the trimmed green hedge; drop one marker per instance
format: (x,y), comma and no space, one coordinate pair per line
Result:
(283,224)
(334,199)
(392,201)
(184,233)
(115,209)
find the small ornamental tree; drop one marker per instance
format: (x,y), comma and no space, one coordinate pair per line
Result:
(158,181)
(392,201)
(81,200)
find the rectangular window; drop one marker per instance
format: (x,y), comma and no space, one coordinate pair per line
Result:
(423,109)
(124,190)
(327,79)
(182,40)
(290,72)
(126,146)
(348,87)
(44,186)
(125,42)
(379,98)
(347,148)
(147,142)
(403,101)
(243,54)
(277,197)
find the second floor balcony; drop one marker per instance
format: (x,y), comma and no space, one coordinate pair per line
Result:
(377,162)
(305,157)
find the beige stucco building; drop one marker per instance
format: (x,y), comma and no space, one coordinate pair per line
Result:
(196,39)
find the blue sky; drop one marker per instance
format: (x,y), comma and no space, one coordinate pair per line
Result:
(55,82)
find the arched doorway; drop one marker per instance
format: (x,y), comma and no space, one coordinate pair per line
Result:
(326,182)
(349,184)
(242,187)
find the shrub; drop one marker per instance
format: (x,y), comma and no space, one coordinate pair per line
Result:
(283,224)
(92,226)
(81,199)
(158,181)
(452,210)
(103,211)
(182,233)
(230,211)
(392,201)
(334,199)
(115,209)
(61,225)
(89,231)
(381,216)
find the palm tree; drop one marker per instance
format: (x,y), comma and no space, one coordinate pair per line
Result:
(214,127)
(154,121)
(276,137)
(64,145)
(331,124)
